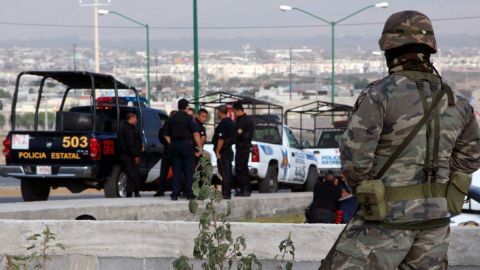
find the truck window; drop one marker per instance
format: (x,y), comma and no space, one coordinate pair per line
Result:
(267,134)
(292,141)
(330,138)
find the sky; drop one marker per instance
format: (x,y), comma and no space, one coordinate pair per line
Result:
(215,13)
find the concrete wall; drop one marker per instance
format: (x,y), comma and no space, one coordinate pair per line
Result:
(152,208)
(153,244)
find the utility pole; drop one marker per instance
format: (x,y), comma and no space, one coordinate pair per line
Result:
(156,71)
(290,73)
(74,57)
(96,45)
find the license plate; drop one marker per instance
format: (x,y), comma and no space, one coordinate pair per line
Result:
(44,170)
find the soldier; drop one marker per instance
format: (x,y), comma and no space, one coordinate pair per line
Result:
(243,147)
(408,228)
(223,139)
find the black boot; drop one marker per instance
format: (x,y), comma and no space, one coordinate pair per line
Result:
(159,194)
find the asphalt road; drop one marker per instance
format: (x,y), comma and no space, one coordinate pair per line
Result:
(9,182)
(10,199)
(13,187)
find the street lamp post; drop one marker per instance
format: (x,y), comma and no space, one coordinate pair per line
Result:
(196,84)
(147,30)
(332,25)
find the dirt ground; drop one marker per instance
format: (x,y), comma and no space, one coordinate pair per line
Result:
(15,191)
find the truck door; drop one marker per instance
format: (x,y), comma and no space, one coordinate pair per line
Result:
(296,158)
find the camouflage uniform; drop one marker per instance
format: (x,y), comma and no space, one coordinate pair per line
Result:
(415,233)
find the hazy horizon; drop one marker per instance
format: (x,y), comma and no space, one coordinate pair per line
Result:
(74,22)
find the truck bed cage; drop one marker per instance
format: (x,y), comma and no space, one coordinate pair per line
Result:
(320,108)
(74,80)
(80,79)
(313,112)
(265,114)
(260,110)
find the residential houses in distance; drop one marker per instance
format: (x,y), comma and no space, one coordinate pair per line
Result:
(281,76)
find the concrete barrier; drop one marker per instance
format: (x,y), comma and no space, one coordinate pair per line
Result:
(150,208)
(154,244)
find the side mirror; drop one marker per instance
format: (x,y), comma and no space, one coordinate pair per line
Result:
(305,144)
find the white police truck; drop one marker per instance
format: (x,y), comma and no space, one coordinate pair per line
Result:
(277,159)
(320,125)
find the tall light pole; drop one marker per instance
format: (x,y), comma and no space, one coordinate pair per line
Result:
(147,29)
(95,6)
(196,83)
(332,25)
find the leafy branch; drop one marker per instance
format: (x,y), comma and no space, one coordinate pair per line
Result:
(286,247)
(41,248)
(215,244)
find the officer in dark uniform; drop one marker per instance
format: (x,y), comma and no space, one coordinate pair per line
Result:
(166,159)
(245,129)
(178,134)
(130,150)
(223,139)
(200,120)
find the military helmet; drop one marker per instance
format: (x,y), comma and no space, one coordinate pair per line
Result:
(407,27)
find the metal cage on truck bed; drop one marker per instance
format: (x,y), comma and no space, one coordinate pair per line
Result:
(263,113)
(308,120)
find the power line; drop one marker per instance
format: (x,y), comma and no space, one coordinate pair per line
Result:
(221,27)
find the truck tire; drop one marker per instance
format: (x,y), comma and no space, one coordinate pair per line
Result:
(270,183)
(34,191)
(116,184)
(311,179)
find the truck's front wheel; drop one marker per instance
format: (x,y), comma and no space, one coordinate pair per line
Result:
(116,184)
(270,183)
(34,191)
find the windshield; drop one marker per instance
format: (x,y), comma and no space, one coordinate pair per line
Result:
(330,138)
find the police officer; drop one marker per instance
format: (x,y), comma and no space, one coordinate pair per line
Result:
(223,139)
(200,120)
(412,231)
(130,150)
(178,134)
(166,159)
(243,147)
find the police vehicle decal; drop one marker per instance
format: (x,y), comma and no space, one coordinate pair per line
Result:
(268,150)
(311,157)
(284,165)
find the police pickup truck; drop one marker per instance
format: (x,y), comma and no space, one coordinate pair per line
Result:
(81,150)
(277,160)
(320,125)
(326,150)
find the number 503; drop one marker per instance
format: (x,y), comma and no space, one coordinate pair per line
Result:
(74,142)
